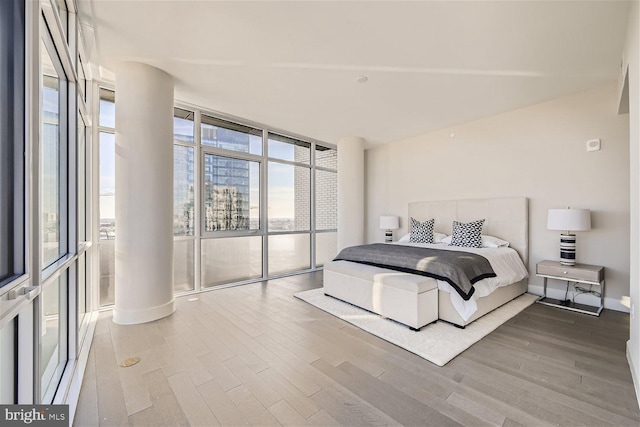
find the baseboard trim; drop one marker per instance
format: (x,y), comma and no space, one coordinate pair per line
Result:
(636,380)
(609,303)
(149,314)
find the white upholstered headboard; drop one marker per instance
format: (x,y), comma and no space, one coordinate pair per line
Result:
(506,218)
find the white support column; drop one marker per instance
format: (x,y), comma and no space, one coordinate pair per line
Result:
(144,185)
(350,192)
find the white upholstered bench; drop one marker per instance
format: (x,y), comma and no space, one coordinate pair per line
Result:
(406,298)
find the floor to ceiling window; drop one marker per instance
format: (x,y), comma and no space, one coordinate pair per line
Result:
(232,241)
(107,196)
(184,208)
(13,197)
(54,212)
(289,204)
(83,303)
(43,286)
(80,282)
(326,203)
(53,179)
(248,203)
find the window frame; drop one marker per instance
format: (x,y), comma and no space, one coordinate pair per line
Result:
(66,153)
(239,155)
(99,243)
(317,231)
(234,126)
(263,159)
(18,247)
(194,238)
(193,145)
(228,233)
(311,192)
(66,41)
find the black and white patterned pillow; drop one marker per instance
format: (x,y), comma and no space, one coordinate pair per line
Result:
(421,232)
(468,235)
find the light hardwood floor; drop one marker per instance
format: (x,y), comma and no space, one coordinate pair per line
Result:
(256,355)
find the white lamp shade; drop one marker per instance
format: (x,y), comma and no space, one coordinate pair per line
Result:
(569,219)
(389,223)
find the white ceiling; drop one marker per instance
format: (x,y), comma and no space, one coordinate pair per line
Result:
(430,64)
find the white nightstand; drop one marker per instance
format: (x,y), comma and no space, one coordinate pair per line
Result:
(579,273)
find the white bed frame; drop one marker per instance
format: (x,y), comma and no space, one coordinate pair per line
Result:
(506,218)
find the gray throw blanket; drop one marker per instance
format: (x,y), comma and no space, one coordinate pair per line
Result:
(460,269)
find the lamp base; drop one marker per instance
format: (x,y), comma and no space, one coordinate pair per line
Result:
(568,249)
(388,236)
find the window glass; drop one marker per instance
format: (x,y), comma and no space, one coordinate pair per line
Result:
(326,157)
(82,287)
(183,268)
(326,200)
(107,271)
(182,125)
(53,172)
(49,357)
(281,147)
(289,196)
(107,206)
(231,259)
(9,362)
(230,136)
(231,194)
(107,186)
(107,108)
(58,218)
(183,191)
(82,181)
(12,94)
(326,247)
(53,352)
(289,252)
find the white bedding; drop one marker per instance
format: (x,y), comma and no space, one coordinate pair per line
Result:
(505,261)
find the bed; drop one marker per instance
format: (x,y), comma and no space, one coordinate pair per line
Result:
(416,300)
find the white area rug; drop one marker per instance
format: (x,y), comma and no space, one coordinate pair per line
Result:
(438,342)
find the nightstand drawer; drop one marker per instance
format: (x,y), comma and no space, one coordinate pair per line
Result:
(577,272)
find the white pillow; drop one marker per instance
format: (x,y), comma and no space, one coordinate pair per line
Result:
(487,241)
(437,237)
(493,242)
(405,238)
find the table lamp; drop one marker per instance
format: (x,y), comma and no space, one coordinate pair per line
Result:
(568,220)
(389,223)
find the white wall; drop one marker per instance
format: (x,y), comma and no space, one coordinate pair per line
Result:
(632,61)
(538,152)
